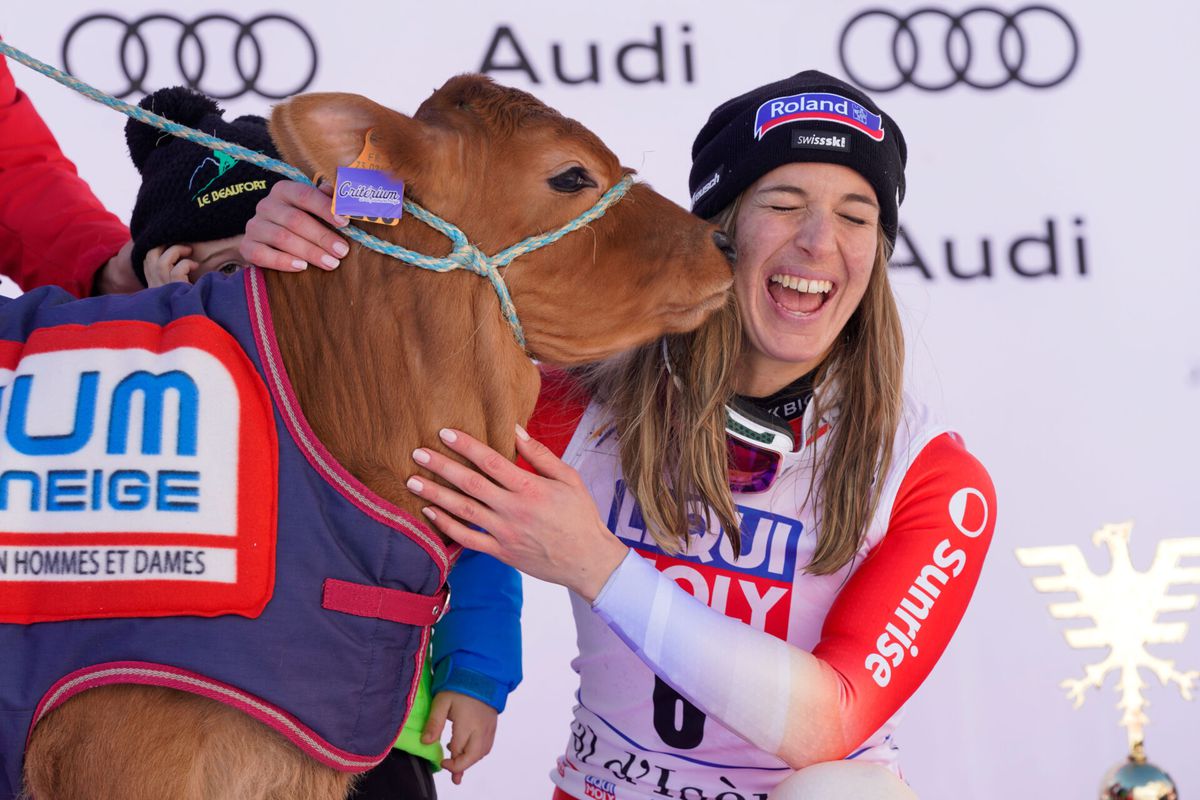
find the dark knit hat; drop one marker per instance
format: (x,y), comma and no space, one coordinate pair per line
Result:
(190,193)
(810,116)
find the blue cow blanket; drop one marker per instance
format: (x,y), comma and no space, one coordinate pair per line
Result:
(168,518)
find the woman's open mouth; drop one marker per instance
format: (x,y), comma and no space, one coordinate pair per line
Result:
(798,295)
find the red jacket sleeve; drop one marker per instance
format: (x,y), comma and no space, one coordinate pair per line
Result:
(53,230)
(894,618)
(889,624)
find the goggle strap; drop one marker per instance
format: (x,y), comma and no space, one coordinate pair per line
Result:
(770,436)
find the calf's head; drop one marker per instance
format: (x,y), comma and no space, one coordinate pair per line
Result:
(503,166)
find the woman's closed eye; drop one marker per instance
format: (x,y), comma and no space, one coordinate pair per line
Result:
(784,205)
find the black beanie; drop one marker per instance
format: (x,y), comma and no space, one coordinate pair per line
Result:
(810,116)
(190,193)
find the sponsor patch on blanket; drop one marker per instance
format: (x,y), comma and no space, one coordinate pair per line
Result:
(138,474)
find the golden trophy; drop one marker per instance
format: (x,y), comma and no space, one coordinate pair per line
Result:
(1124,605)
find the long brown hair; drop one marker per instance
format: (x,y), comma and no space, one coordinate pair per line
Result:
(859,385)
(667,401)
(671,420)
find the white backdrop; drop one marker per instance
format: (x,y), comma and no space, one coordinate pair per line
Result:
(1077,389)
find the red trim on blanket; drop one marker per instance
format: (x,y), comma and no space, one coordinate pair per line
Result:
(321,460)
(148,674)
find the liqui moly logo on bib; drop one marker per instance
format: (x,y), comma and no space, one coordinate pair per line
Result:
(755,587)
(124,463)
(817,106)
(599,789)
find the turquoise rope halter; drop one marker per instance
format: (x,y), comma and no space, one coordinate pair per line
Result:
(463,254)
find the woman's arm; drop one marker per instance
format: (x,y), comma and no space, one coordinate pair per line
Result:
(886,630)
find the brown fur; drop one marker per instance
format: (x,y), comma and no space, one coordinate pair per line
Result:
(149,743)
(383,355)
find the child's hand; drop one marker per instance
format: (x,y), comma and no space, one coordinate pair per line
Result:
(168,265)
(472,730)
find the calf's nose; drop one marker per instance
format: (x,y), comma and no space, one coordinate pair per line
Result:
(725,245)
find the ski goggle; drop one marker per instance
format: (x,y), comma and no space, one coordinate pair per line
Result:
(757,446)
(756,442)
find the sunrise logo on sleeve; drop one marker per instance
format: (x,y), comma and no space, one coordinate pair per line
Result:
(138,474)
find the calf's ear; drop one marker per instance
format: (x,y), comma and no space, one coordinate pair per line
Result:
(322,131)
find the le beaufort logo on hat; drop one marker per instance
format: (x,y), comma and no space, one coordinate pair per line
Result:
(822,106)
(221,163)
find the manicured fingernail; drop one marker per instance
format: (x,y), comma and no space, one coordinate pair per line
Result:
(421,456)
(340,221)
(299,265)
(429,512)
(448,436)
(416,484)
(341,248)
(522,434)
(330,262)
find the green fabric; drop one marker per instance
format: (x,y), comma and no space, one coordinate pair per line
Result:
(410,735)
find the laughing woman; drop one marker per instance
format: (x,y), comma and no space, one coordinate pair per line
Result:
(761,641)
(726,645)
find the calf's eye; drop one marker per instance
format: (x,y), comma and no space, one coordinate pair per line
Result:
(571,180)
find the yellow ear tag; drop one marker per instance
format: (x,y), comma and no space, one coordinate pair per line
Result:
(371,157)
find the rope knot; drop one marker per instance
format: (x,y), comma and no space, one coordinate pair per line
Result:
(468,256)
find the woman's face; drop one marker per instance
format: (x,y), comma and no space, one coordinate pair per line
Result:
(806,240)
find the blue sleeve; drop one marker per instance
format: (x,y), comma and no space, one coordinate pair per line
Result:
(477,645)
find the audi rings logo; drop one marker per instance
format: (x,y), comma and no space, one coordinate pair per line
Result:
(218,54)
(982,47)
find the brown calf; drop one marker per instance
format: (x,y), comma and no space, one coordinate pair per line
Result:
(382,355)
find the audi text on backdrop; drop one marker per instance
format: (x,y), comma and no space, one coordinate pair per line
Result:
(1028,257)
(636,61)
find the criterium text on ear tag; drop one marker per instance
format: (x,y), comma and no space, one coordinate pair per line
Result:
(368,194)
(373,157)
